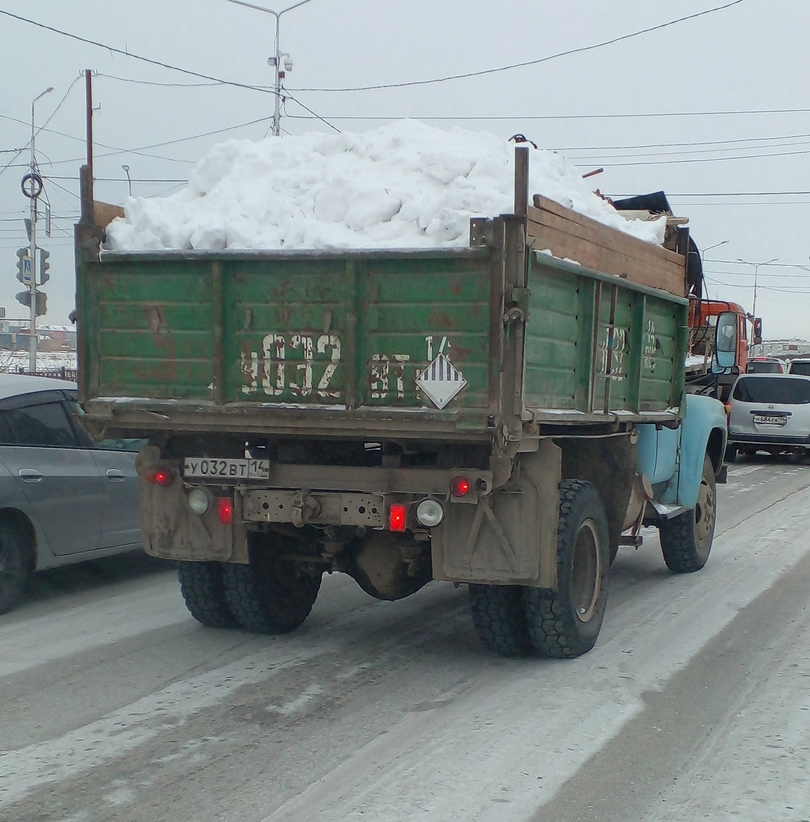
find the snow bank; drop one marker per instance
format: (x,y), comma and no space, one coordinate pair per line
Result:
(405,185)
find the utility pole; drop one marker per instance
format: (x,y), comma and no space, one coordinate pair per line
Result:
(276,59)
(33,194)
(756,273)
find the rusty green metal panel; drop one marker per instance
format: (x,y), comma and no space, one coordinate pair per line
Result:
(347,330)
(351,332)
(595,343)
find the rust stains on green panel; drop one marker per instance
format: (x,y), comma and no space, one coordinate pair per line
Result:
(635,362)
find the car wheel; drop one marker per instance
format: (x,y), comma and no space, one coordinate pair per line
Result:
(565,621)
(731,453)
(686,540)
(15,565)
(204,594)
(499,618)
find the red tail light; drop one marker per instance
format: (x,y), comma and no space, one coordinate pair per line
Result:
(459,486)
(225,509)
(397,516)
(159,475)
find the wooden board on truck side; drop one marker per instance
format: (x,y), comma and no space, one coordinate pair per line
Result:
(105,213)
(569,235)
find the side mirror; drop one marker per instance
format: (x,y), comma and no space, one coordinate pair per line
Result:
(726,343)
(757,331)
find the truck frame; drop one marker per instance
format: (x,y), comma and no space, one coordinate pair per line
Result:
(496,416)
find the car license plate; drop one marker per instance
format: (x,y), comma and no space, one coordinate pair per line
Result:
(210,468)
(770,419)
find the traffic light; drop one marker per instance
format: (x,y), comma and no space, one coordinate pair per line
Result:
(24,297)
(44,265)
(22,256)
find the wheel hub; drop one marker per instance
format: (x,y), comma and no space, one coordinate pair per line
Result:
(587,572)
(704,512)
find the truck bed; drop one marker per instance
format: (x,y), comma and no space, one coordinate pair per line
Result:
(340,342)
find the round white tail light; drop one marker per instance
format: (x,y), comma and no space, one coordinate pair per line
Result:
(198,501)
(429,513)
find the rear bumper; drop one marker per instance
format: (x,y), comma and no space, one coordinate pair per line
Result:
(768,440)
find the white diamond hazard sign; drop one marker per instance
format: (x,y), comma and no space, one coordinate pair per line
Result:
(440,381)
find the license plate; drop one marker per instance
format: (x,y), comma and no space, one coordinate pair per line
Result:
(770,419)
(235,469)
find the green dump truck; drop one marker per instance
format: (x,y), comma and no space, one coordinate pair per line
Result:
(493,415)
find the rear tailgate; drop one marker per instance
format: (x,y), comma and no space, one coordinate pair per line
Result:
(326,340)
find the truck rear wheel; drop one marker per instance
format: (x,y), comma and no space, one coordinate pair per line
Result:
(686,540)
(564,622)
(270,595)
(204,593)
(499,618)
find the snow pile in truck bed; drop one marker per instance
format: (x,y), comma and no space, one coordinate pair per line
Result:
(405,185)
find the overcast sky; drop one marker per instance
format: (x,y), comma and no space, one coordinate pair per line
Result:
(714,110)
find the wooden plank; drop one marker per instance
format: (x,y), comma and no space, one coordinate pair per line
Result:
(629,261)
(105,213)
(610,261)
(630,257)
(594,233)
(568,234)
(600,234)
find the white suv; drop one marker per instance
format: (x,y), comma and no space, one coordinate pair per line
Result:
(769,412)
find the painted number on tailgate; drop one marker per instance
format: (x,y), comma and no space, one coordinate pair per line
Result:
(309,369)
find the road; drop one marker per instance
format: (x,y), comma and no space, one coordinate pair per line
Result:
(694,704)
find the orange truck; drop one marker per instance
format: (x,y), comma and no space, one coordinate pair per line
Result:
(704,314)
(702,319)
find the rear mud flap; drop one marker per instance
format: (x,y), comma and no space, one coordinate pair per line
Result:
(171,530)
(510,536)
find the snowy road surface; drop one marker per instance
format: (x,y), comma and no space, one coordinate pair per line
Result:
(694,704)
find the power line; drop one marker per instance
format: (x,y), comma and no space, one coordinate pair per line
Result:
(9,163)
(163,85)
(306,108)
(731,194)
(754,203)
(526,63)
(62,188)
(59,104)
(49,177)
(687,150)
(620,116)
(675,145)
(141,149)
(610,164)
(134,56)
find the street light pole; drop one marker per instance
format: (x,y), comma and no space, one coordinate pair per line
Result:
(703,259)
(275,60)
(756,273)
(32,326)
(716,245)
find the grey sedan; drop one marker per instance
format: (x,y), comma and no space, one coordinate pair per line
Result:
(63,498)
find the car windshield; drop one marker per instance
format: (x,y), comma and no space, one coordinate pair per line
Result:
(800,368)
(782,391)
